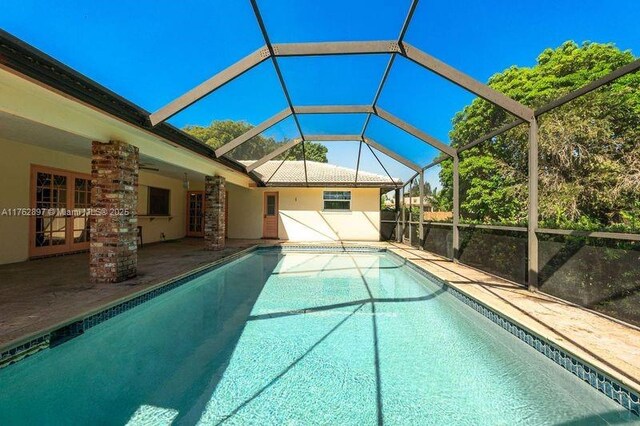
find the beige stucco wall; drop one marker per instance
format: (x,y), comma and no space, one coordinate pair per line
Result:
(301,214)
(245,212)
(173,226)
(302,217)
(15,167)
(15,177)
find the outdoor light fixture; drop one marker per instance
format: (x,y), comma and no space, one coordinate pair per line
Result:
(185,182)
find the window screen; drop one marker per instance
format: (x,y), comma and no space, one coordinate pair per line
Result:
(337,200)
(159,201)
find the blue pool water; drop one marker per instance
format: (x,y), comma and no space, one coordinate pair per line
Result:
(297,339)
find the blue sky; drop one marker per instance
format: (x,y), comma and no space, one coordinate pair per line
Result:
(151,51)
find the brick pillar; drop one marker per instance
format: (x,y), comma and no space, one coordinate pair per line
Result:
(114,196)
(214,202)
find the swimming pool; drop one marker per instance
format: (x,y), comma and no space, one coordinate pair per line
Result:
(300,338)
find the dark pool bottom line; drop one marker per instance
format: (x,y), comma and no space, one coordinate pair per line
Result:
(597,379)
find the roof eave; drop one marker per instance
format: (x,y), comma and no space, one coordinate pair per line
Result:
(35,64)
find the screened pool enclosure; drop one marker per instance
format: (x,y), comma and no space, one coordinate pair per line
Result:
(597,269)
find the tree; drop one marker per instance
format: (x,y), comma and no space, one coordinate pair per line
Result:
(415,190)
(219,133)
(589,149)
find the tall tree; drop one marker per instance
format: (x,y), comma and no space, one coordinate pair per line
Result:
(219,133)
(589,149)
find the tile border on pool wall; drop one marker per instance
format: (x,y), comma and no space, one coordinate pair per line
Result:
(594,377)
(328,248)
(60,335)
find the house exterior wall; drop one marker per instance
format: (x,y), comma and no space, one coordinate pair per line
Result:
(301,214)
(15,178)
(15,181)
(172,227)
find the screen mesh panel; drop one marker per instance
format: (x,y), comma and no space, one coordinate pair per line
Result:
(438,240)
(599,274)
(503,253)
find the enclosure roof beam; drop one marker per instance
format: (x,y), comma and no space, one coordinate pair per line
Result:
(492,134)
(283,84)
(335,48)
(403,125)
(594,85)
(273,154)
(383,80)
(330,138)
(253,132)
(466,82)
(435,163)
(622,71)
(357,138)
(395,182)
(333,109)
(212,84)
(400,159)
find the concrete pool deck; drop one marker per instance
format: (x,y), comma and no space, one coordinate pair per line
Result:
(36,296)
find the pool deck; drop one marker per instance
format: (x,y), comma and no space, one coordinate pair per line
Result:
(40,295)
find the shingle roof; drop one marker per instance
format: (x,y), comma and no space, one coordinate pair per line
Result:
(292,173)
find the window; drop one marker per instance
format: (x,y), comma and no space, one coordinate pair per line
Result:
(337,200)
(159,200)
(271,205)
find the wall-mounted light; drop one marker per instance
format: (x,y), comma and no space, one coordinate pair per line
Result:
(185,182)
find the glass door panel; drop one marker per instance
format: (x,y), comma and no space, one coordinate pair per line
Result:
(61,203)
(81,209)
(195,213)
(51,204)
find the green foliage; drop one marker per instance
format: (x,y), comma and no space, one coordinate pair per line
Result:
(415,190)
(219,133)
(589,174)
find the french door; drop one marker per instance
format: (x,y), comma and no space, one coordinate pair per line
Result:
(195,213)
(270,217)
(60,208)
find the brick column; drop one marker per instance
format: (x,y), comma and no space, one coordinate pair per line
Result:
(114,196)
(214,202)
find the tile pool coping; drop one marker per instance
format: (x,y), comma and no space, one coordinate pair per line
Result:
(17,350)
